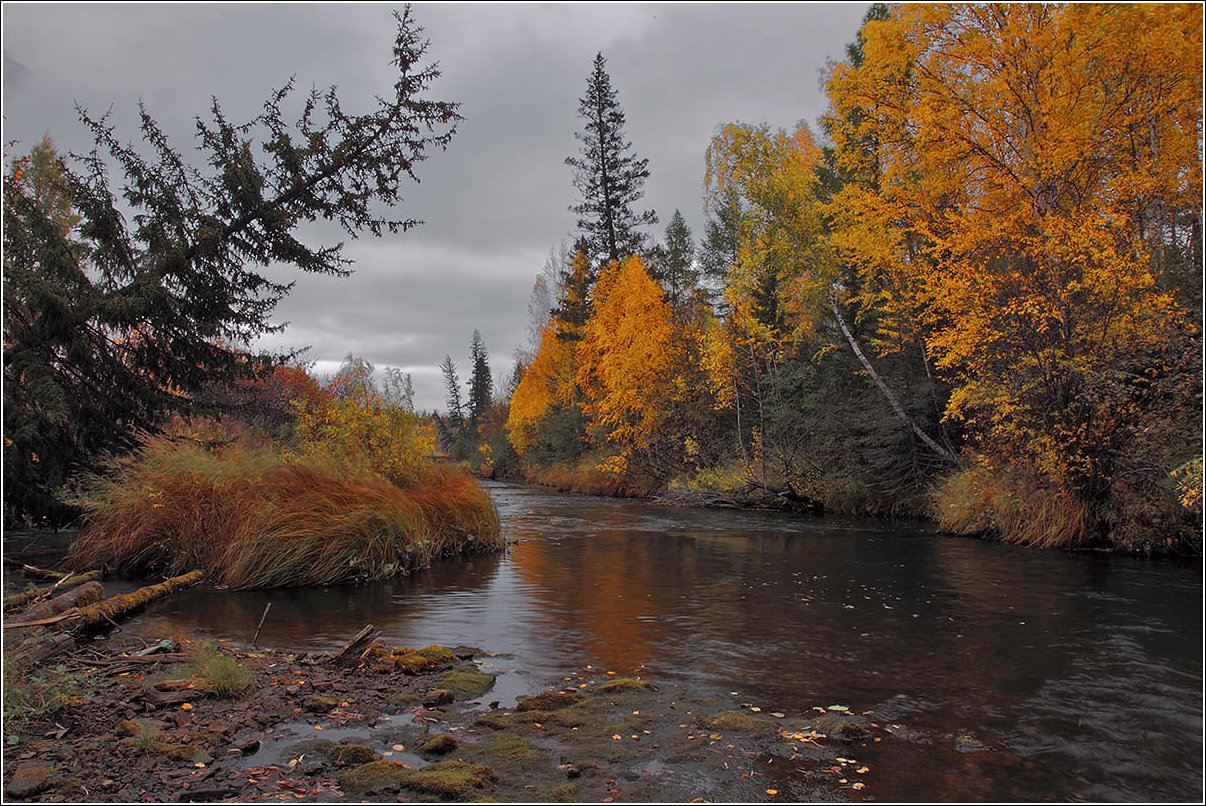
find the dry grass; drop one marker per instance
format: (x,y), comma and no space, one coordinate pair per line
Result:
(257,518)
(1013,505)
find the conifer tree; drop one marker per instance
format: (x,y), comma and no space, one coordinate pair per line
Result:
(112,324)
(675,267)
(481,383)
(608,174)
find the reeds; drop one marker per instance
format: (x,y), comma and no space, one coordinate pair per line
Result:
(258,518)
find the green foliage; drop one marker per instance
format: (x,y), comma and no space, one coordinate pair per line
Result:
(115,323)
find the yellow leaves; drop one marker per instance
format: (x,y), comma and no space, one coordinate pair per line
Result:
(629,355)
(548,381)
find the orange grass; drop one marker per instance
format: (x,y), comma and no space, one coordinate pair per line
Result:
(260,519)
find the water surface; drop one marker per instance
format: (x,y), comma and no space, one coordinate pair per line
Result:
(1083,673)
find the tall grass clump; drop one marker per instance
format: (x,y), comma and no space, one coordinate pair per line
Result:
(216,673)
(1014,505)
(264,518)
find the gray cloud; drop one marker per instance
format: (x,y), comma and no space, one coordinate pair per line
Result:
(498,198)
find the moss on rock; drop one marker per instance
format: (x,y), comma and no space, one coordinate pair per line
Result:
(466,682)
(439,745)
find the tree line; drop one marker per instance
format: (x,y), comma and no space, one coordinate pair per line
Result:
(974,295)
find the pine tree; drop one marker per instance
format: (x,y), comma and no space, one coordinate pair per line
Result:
(114,323)
(608,174)
(481,383)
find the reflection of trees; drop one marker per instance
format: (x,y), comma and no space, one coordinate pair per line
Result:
(320,618)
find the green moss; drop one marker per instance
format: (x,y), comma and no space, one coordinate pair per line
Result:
(349,754)
(739,722)
(449,779)
(548,701)
(428,659)
(565,793)
(438,696)
(466,682)
(439,745)
(372,778)
(626,684)
(510,752)
(320,702)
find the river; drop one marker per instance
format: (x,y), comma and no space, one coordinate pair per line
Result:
(1081,673)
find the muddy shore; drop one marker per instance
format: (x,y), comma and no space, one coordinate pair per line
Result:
(410,725)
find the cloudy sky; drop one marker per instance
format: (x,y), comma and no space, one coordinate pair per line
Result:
(497,200)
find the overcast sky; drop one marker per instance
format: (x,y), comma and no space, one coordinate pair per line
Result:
(497,200)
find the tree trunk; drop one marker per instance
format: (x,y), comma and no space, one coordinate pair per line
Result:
(84,595)
(883,387)
(17,600)
(116,606)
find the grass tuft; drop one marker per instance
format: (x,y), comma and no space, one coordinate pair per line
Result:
(259,518)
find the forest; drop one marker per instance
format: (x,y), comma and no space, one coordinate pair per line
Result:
(973,295)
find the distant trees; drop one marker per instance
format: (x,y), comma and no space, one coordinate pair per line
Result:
(113,323)
(608,175)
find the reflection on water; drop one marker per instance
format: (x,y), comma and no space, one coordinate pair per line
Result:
(1083,673)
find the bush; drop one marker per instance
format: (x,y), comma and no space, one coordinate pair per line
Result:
(261,518)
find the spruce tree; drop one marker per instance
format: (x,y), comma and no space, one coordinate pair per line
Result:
(481,383)
(115,322)
(675,265)
(608,174)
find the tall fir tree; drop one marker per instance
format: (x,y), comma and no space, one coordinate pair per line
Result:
(608,174)
(481,383)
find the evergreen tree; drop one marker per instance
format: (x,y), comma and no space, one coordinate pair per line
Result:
(481,383)
(114,323)
(456,408)
(608,174)
(674,266)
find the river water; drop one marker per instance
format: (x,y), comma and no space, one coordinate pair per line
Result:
(1081,673)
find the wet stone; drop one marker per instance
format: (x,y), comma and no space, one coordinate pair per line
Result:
(30,779)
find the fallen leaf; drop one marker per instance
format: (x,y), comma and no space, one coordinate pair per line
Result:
(186,707)
(398,748)
(858,785)
(772,791)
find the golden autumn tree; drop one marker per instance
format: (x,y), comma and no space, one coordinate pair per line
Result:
(628,367)
(546,389)
(1025,197)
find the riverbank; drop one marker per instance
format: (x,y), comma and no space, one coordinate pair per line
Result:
(420,724)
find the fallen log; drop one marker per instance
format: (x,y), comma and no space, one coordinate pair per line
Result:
(86,594)
(86,618)
(355,648)
(16,600)
(35,572)
(96,615)
(39,648)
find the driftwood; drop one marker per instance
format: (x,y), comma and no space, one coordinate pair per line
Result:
(16,600)
(87,617)
(115,607)
(33,571)
(351,653)
(86,594)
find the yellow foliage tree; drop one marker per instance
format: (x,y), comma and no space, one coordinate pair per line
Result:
(550,380)
(1024,173)
(629,359)
(362,430)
